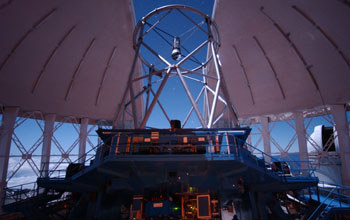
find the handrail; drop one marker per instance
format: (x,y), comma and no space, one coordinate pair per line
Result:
(334,184)
(16,186)
(326,208)
(337,189)
(19,192)
(232,149)
(339,197)
(237,151)
(310,171)
(209,143)
(86,153)
(50,172)
(321,204)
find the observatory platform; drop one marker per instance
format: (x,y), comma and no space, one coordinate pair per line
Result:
(208,158)
(174,167)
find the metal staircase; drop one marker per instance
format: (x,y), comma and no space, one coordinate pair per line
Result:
(30,200)
(333,199)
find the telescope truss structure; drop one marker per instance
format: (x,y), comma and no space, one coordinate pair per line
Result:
(212,91)
(157,67)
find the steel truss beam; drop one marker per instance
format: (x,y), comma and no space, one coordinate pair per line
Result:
(212,86)
(6,131)
(27,154)
(306,117)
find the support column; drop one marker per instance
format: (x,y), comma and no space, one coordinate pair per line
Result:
(82,139)
(341,126)
(302,142)
(46,150)
(6,131)
(266,136)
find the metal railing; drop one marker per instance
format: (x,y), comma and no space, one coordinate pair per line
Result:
(171,144)
(287,167)
(214,145)
(19,193)
(335,198)
(61,173)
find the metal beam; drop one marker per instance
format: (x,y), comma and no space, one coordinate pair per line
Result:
(341,126)
(133,105)
(217,90)
(191,110)
(302,142)
(156,54)
(46,149)
(83,133)
(161,107)
(265,131)
(157,22)
(155,98)
(188,92)
(224,87)
(131,74)
(6,131)
(192,53)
